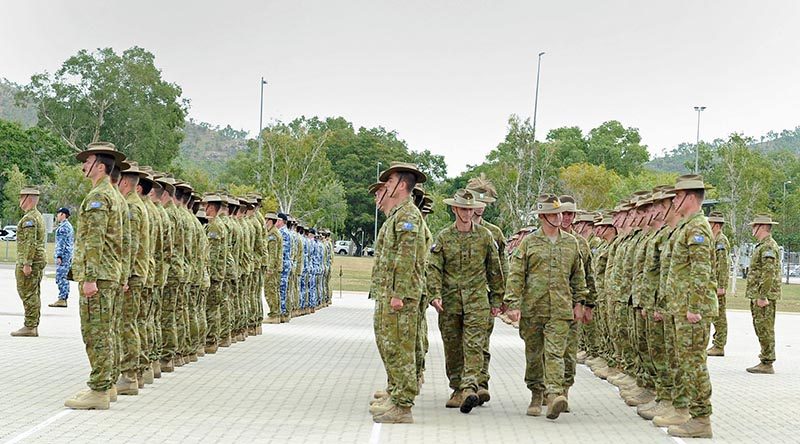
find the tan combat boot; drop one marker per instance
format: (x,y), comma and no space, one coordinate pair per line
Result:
(556,404)
(661,407)
(469,400)
(140,379)
(581,357)
(211,348)
(259,331)
(765,369)
(483,395)
(395,415)
(226,341)
(112,393)
(380,406)
(699,427)
(147,375)
(643,397)
(455,400)
(127,384)
(30,332)
(59,303)
(716,351)
(672,416)
(646,407)
(177,361)
(535,407)
(167,366)
(603,372)
(156,366)
(566,395)
(201,351)
(380,394)
(272,320)
(89,400)
(193,357)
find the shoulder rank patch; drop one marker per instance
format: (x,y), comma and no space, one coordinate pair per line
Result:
(769,254)
(271,237)
(720,246)
(95,204)
(407,226)
(435,248)
(29,223)
(130,215)
(213,235)
(698,239)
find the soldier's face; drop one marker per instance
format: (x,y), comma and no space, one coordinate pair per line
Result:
(479,211)
(464,214)
(566,219)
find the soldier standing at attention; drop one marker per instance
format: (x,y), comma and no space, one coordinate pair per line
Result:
(30,261)
(722,271)
(216,233)
(545,286)
(397,277)
(463,264)
(285,268)
(693,303)
(484,191)
(273,280)
(764,290)
(65,240)
(98,270)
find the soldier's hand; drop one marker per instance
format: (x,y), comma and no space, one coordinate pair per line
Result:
(397,304)
(89,289)
(577,312)
(26,270)
(657,316)
(762,302)
(588,314)
(495,311)
(513,315)
(644,313)
(503,308)
(720,292)
(58,261)
(693,318)
(437,304)
(126,288)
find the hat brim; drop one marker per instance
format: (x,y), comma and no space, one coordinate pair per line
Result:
(83,155)
(421,177)
(763,223)
(558,210)
(473,206)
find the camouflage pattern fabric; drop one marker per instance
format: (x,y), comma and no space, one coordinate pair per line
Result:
(763,282)
(722,271)
(30,251)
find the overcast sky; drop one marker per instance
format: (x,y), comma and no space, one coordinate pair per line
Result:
(446,75)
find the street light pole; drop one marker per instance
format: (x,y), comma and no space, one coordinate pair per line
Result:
(261,118)
(697,145)
(536,95)
(375,233)
(788,253)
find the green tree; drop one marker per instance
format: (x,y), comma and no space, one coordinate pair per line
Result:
(592,186)
(15,181)
(118,98)
(68,189)
(617,148)
(570,145)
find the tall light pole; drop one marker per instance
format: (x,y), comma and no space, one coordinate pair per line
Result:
(788,254)
(261,117)
(536,96)
(375,233)
(697,145)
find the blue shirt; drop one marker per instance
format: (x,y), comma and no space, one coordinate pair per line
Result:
(65,241)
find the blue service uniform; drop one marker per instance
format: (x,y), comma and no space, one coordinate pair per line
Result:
(65,242)
(287,266)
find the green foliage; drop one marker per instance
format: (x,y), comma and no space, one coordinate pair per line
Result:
(208,147)
(68,189)
(593,186)
(15,181)
(112,97)
(12,110)
(617,148)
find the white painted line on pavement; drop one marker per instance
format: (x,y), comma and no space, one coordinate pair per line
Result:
(375,436)
(38,427)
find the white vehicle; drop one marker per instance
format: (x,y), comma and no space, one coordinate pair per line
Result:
(8,233)
(342,247)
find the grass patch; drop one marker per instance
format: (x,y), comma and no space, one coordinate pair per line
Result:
(355,273)
(790,297)
(8,252)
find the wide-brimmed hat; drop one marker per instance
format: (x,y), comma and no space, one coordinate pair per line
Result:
(167,182)
(184,186)
(402,167)
(271,216)
(201,214)
(568,204)
(372,189)
(716,217)
(213,198)
(132,167)
(483,189)
(106,148)
(29,191)
(548,204)
(607,220)
(763,219)
(691,182)
(642,198)
(585,217)
(464,199)
(663,192)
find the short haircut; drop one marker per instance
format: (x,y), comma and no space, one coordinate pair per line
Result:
(698,194)
(115,174)
(146,186)
(214,205)
(408,178)
(158,190)
(132,178)
(178,194)
(107,161)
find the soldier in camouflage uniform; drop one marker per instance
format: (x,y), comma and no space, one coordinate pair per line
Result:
(128,382)
(463,263)
(169,358)
(693,303)
(148,359)
(722,271)
(98,270)
(397,277)
(602,364)
(216,233)
(30,261)
(273,280)
(484,191)
(764,290)
(544,290)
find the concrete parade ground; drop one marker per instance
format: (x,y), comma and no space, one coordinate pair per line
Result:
(311,381)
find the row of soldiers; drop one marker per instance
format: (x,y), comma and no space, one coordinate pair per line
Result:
(165,275)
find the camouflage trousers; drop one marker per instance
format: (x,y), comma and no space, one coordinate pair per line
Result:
(228,287)
(764,325)
(214,301)
(144,327)
(285,297)
(117,316)
(623,351)
(129,333)
(61,280)
(571,353)
(154,324)
(196,313)
(483,378)
(421,349)
(464,336)
(397,334)
(169,321)
(660,350)
(303,302)
(182,322)
(97,326)
(721,324)
(29,289)
(545,343)
(274,293)
(646,372)
(693,385)
(602,343)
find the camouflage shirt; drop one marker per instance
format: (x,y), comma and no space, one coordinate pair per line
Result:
(462,266)
(30,239)
(764,278)
(722,260)
(400,256)
(274,251)
(98,243)
(140,236)
(651,269)
(690,269)
(546,279)
(500,240)
(599,264)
